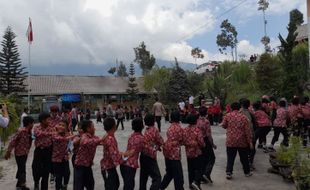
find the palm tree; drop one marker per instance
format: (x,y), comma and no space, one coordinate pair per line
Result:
(263,6)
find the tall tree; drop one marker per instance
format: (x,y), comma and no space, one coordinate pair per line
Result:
(197,54)
(12,73)
(228,39)
(121,70)
(178,87)
(144,58)
(132,84)
(263,6)
(286,49)
(268,74)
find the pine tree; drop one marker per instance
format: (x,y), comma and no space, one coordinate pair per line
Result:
(178,87)
(289,84)
(12,73)
(132,85)
(144,58)
(122,71)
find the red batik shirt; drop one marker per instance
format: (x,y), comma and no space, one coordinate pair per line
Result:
(238,131)
(60,148)
(281,119)
(204,125)
(172,146)
(136,142)
(87,150)
(193,141)
(21,142)
(111,155)
(294,112)
(76,144)
(43,136)
(262,119)
(153,142)
(55,121)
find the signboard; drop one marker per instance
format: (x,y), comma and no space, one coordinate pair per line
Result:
(71,97)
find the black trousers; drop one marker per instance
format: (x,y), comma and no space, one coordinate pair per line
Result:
(120,121)
(111,180)
(158,121)
(231,155)
(21,170)
(62,173)
(261,134)
(173,171)
(41,166)
(277,131)
(128,174)
(74,123)
(149,168)
(194,169)
(83,178)
(208,158)
(252,153)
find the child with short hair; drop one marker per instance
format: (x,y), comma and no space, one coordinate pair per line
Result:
(60,155)
(111,156)
(194,142)
(83,173)
(208,153)
(21,143)
(42,158)
(148,160)
(172,153)
(136,142)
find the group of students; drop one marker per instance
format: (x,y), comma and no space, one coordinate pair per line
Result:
(53,139)
(248,123)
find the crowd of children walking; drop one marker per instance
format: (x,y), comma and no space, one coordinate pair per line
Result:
(245,124)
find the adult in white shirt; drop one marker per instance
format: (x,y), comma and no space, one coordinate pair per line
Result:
(182,105)
(191,100)
(24,114)
(4,117)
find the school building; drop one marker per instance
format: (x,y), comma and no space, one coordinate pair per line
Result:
(90,91)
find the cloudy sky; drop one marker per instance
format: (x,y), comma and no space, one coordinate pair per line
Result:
(101,31)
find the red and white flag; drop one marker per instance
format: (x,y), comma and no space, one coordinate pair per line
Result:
(29,32)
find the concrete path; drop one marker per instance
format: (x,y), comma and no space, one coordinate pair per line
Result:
(261,180)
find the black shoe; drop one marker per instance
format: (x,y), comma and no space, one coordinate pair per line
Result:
(260,146)
(65,187)
(229,176)
(195,186)
(207,178)
(271,149)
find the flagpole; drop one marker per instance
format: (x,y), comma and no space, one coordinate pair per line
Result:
(29,83)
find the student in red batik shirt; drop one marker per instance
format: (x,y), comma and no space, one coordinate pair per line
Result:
(207,151)
(279,125)
(21,143)
(263,124)
(83,173)
(42,158)
(172,153)
(148,160)
(136,142)
(60,155)
(238,139)
(194,143)
(111,156)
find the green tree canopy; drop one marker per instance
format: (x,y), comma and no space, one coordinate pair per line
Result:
(228,38)
(121,70)
(12,74)
(178,87)
(132,84)
(144,58)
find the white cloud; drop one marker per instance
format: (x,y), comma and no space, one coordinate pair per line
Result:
(99,31)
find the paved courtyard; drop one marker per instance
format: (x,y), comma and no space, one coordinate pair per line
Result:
(261,180)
